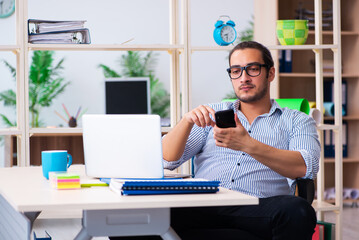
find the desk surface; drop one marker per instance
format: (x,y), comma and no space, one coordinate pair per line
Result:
(28,191)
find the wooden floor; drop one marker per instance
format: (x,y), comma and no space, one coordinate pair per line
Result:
(65,229)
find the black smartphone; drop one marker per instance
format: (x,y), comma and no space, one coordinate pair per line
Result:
(225,118)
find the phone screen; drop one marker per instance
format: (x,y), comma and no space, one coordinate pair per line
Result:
(225,118)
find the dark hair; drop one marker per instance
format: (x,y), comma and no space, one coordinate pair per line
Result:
(266,55)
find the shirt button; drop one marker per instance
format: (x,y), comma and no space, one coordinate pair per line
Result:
(243,154)
(232,180)
(238,164)
(249,131)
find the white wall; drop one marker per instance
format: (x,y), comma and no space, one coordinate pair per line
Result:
(115,21)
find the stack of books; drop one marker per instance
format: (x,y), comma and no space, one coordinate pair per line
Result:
(46,31)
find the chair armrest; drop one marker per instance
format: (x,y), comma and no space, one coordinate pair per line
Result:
(306,189)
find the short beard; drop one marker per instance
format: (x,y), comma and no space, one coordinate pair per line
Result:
(256,97)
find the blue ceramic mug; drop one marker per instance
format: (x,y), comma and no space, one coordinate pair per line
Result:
(55,161)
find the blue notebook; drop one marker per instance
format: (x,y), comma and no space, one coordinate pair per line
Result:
(148,187)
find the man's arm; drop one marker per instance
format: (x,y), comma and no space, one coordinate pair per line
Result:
(285,162)
(174,143)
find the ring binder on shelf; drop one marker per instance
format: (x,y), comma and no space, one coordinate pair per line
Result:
(43,26)
(81,36)
(47,31)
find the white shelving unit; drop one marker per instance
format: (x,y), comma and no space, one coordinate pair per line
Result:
(266,12)
(264,27)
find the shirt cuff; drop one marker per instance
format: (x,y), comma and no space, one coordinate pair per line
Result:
(311,163)
(171,165)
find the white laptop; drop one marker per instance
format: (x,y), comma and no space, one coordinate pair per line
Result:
(122,146)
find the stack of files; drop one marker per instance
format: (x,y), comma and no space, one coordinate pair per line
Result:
(46,31)
(162,186)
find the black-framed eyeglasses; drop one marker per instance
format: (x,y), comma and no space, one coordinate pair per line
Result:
(253,70)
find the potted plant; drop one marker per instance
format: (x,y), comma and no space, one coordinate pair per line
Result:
(45,84)
(134,64)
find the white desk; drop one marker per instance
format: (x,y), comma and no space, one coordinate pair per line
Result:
(25,193)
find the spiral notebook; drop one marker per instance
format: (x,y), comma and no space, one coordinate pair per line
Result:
(149,187)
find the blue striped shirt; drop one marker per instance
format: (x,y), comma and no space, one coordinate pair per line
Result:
(281,128)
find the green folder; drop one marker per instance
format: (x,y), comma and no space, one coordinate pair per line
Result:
(329,230)
(300,104)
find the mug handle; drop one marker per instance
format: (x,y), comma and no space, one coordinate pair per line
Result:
(69,160)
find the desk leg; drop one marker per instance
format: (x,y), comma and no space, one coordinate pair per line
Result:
(32,217)
(82,235)
(127,222)
(170,235)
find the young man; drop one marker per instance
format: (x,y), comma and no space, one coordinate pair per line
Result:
(269,148)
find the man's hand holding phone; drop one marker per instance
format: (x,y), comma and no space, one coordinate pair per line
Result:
(225,118)
(229,132)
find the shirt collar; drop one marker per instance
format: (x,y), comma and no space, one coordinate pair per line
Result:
(272,110)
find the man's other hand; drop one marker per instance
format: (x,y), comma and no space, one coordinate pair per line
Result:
(201,116)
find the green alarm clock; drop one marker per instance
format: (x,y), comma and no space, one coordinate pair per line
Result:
(7,7)
(224,32)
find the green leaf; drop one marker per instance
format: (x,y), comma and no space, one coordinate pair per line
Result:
(8,97)
(11,68)
(108,72)
(7,121)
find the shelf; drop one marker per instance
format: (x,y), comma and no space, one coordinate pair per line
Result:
(332,201)
(10,48)
(324,206)
(312,75)
(345,160)
(10,131)
(55,131)
(330,33)
(64,131)
(273,47)
(347,118)
(165,130)
(211,48)
(327,127)
(303,47)
(104,47)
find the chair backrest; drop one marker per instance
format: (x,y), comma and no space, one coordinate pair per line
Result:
(305,189)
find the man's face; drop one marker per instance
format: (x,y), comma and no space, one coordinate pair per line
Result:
(247,88)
